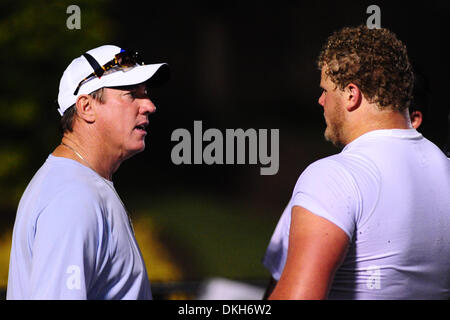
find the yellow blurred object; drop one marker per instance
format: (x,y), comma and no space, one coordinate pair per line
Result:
(159,265)
(157,259)
(5,249)
(180,296)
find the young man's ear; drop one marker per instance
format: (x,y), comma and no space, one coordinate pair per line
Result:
(416,119)
(85,108)
(353,96)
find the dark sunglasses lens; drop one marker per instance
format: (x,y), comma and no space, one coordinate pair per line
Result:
(129,59)
(137,58)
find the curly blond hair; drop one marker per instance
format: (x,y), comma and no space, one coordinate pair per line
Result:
(373,59)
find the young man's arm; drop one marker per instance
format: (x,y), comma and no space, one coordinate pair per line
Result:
(316,249)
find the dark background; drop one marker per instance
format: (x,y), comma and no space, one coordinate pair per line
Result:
(253,66)
(234,65)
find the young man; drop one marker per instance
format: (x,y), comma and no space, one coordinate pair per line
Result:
(72,236)
(371,222)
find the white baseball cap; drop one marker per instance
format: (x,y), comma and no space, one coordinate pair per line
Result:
(83,66)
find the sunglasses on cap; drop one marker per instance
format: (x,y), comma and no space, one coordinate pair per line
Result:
(123,59)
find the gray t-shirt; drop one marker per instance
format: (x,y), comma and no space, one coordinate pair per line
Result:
(72,239)
(389,191)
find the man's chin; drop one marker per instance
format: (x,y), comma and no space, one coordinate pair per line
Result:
(333,137)
(134,151)
(140,149)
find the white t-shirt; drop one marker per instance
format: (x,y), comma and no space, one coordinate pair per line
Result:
(389,191)
(72,239)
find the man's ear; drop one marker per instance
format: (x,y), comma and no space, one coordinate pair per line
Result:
(416,119)
(353,96)
(85,108)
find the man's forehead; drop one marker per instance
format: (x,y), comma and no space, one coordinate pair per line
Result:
(324,70)
(134,87)
(323,75)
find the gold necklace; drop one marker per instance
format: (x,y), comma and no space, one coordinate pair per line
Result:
(79,155)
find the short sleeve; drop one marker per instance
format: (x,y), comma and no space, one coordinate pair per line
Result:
(65,247)
(327,189)
(276,253)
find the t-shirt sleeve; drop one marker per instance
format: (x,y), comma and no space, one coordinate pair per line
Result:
(65,247)
(327,189)
(276,253)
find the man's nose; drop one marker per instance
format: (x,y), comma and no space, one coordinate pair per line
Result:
(321,99)
(147,106)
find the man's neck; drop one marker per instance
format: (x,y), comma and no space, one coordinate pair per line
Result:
(88,154)
(379,120)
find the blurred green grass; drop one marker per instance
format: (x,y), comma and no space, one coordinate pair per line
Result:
(209,237)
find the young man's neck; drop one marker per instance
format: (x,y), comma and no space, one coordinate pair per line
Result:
(376,119)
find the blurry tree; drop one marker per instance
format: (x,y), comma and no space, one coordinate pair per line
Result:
(36,46)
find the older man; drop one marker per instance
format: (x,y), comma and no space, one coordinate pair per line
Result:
(72,236)
(373,221)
